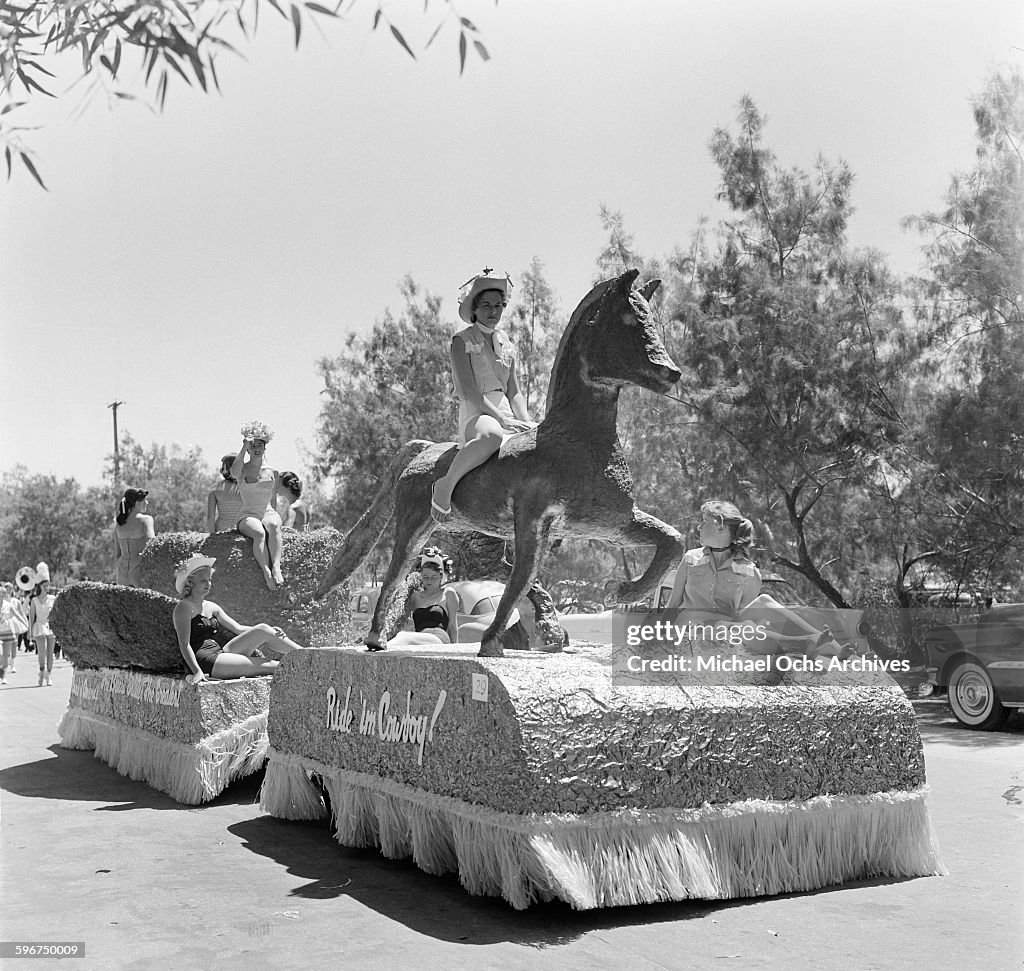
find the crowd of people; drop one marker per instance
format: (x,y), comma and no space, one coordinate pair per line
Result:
(25,622)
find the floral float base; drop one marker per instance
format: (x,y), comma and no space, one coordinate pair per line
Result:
(187,740)
(534,779)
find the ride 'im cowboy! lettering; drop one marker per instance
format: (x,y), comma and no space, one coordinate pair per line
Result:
(407,729)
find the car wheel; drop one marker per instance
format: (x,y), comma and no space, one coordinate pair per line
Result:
(973,698)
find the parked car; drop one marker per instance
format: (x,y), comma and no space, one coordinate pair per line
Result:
(979,665)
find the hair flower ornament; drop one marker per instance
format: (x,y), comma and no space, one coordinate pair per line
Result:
(253,429)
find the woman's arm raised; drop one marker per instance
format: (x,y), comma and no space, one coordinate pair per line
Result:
(239,463)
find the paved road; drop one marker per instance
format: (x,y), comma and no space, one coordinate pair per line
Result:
(145,883)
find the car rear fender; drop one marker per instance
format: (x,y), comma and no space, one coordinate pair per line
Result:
(950,664)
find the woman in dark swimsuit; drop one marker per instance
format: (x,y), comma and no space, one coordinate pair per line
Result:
(212,643)
(435,607)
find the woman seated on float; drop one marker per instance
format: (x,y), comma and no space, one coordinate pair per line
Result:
(491,406)
(294,512)
(435,606)
(224,503)
(212,643)
(133,529)
(718,581)
(258,484)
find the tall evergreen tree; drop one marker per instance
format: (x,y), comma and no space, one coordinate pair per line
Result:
(380,392)
(972,404)
(535,325)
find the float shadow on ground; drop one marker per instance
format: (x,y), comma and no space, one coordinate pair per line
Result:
(398,890)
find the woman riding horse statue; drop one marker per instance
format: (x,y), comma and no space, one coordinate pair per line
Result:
(566,477)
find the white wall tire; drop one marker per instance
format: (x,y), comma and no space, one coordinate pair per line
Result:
(974,700)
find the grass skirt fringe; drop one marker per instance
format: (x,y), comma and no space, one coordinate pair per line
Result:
(609,859)
(188,773)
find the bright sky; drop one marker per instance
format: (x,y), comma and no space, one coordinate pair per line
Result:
(196,264)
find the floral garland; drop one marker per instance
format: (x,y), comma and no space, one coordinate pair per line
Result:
(253,429)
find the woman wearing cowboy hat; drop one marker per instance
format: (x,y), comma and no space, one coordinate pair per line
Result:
(212,643)
(491,406)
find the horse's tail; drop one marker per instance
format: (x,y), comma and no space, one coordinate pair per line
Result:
(360,538)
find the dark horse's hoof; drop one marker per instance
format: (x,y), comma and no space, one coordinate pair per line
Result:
(491,648)
(376,647)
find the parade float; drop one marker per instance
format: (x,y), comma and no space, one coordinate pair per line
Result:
(563,776)
(131,702)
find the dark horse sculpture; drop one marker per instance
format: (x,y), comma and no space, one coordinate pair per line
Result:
(567,477)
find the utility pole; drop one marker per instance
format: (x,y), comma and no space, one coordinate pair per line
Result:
(113,406)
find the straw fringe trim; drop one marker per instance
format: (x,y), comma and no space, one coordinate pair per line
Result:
(741,849)
(188,773)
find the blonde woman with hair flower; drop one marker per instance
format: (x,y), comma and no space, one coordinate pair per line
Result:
(258,485)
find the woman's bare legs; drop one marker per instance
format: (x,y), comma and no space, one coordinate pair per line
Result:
(815,642)
(252,528)
(237,660)
(272,525)
(10,652)
(487,435)
(228,666)
(411,638)
(258,635)
(44,651)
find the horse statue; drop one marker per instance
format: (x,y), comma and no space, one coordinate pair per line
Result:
(566,477)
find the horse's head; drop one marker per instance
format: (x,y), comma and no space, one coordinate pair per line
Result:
(625,345)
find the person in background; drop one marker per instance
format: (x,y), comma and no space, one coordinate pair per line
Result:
(12,623)
(212,644)
(294,512)
(224,503)
(259,485)
(25,642)
(39,623)
(133,529)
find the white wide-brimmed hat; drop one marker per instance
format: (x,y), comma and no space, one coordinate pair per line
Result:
(484,280)
(195,562)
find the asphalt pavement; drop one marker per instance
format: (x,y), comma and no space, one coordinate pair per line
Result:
(142,882)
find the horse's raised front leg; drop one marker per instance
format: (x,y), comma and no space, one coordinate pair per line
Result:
(413,527)
(531,536)
(644,530)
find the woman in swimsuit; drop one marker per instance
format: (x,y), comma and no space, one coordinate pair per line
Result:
(294,512)
(258,519)
(132,531)
(435,607)
(224,503)
(212,644)
(491,406)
